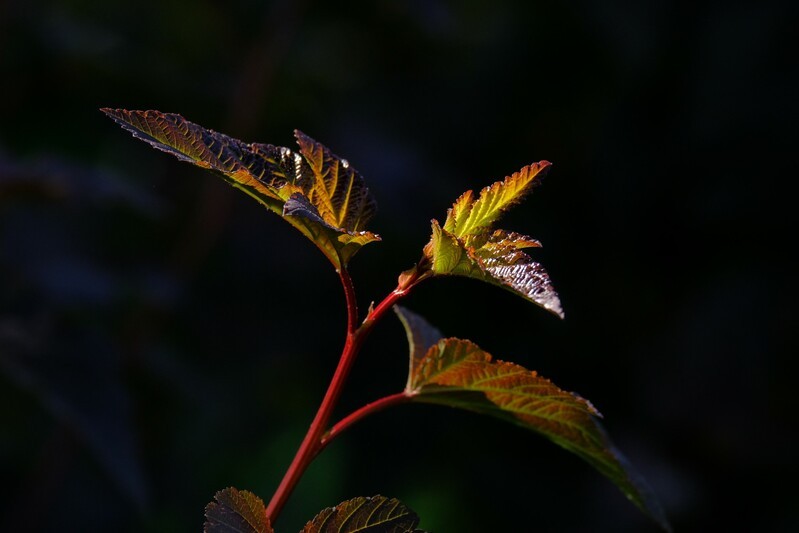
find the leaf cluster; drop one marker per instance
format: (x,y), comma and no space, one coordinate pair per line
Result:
(327,200)
(241,511)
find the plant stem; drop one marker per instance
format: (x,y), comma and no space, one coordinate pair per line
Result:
(360,414)
(313,441)
(352,302)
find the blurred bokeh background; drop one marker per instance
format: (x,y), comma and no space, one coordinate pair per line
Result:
(162,336)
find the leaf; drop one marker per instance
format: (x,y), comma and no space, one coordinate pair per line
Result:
(468,216)
(337,190)
(338,246)
(377,514)
(466,245)
(501,262)
(314,190)
(421,336)
(496,259)
(262,168)
(458,373)
(236,511)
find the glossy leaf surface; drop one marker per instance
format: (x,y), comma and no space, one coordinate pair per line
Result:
(458,373)
(495,258)
(377,514)
(467,246)
(314,190)
(236,511)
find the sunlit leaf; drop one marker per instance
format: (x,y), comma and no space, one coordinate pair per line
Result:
(469,216)
(467,246)
(495,258)
(502,262)
(458,373)
(261,168)
(236,511)
(377,514)
(314,190)
(338,245)
(337,190)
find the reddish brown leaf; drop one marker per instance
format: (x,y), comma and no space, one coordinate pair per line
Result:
(337,190)
(314,190)
(501,261)
(467,246)
(495,258)
(458,373)
(236,511)
(261,167)
(377,514)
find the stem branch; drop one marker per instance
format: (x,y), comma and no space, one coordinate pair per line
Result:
(360,414)
(314,440)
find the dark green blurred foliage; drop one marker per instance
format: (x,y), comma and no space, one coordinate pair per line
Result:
(150,352)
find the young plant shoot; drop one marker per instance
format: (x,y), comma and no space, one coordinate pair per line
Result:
(327,200)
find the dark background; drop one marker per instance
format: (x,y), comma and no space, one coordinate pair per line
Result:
(162,336)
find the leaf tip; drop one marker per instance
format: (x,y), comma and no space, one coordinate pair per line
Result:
(642,495)
(307,143)
(555,308)
(541,168)
(111,112)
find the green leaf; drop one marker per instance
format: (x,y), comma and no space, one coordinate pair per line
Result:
(236,511)
(467,246)
(469,216)
(377,514)
(314,190)
(457,373)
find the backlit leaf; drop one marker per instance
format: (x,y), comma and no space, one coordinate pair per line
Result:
(236,511)
(469,216)
(501,262)
(337,245)
(314,190)
(337,190)
(467,246)
(495,258)
(458,373)
(262,168)
(377,514)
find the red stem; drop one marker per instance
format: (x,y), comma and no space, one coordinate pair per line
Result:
(312,443)
(352,302)
(360,414)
